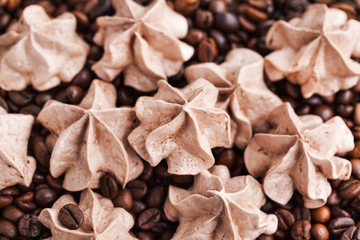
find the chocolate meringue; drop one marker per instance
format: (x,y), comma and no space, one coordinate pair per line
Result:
(142,42)
(315,51)
(242,88)
(15,166)
(102,221)
(299,154)
(91,139)
(40,51)
(219,207)
(181,126)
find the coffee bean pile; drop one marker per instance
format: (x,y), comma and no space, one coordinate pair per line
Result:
(216,26)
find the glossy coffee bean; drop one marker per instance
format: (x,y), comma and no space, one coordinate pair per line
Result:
(182,179)
(74,94)
(265,237)
(45,196)
(356,152)
(6,196)
(186,7)
(12,214)
(126,96)
(324,111)
(319,232)
(220,40)
(7,229)
(155,196)
(355,204)
(29,226)
(321,214)
(5,201)
(109,186)
(285,219)
(226,22)
(21,98)
(302,213)
(42,98)
(149,218)
(123,199)
(147,173)
(194,36)
(345,111)
(5,20)
(337,211)
(55,183)
(345,97)
(207,50)
(218,6)
(349,189)
(333,199)
(137,188)
(204,19)
(339,225)
(146,235)
(355,163)
(41,151)
(352,233)
(227,158)
(138,207)
(25,202)
(71,216)
(4,104)
(300,230)
(82,79)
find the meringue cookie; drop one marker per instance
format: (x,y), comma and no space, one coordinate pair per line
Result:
(219,207)
(15,166)
(40,51)
(299,154)
(91,139)
(181,126)
(315,51)
(142,42)
(102,221)
(242,88)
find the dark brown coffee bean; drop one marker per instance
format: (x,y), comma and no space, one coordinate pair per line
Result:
(255,14)
(25,202)
(355,203)
(55,183)
(345,111)
(345,97)
(328,99)
(265,237)
(126,96)
(4,104)
(12,214)
(333,199)
(300,230)
(123,199)
(137,188)
(186,7)
(292,90)
(246,24)
(42,98)
(338,225)
(167,235)
(220,39)
(314,100)
(355,163)
(356,152)
(319,232)
(207,50)
(321,214)
(155,196)
(194,36)
(302,213)
(45,196)
(147,173)
(218,6)
(10,191)
(21,98)
(7,229)
(182,179)
(82,79)
(337,211)
(352,233)
(227,158)
(138,207)
(30,109)
(5,201)
(71,216)
(101,8)
(74,94)
(204,19)
(303,109)
(162,172)
(40,150)
(109,186)
(161,227)
(5,20)
(349,189)
(149,218)
(281,235)
(82,20)
(324,111)
(29,226)
(146,235)
(285,219)
(226,22)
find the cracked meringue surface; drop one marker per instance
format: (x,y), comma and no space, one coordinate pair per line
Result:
(242,89)
(143,43)
(40,51)
(181,126)
(91,139)
(315,51)
(299,154)
(219,207)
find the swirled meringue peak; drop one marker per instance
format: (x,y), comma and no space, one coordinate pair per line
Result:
(242,88)
(299,154)
(91,139)
(181,126)
(40,51)
(102,221)
(315,51)
(15,166)
(142,42)
(219,207)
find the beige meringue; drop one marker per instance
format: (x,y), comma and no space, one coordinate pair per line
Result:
(315,51)
(242,88)
(15,166)
(219,207)
(40,51)
(181,126)
(91,139)
(102,221)
(299,154)
(142,42)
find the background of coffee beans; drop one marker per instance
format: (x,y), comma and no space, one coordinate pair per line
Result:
(216,26)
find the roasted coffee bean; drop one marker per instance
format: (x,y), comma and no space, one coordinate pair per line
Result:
(29,226)
(149,218)
(167,235)
(356,152)
(25,202)
(137,188)
(12,213)
(355,203)
(349,189)
(109,186)
(5,20)
(4,104)
(352,233)
(42,98)
(345,111)
(155,196)
(255,14)
(324,111)
(6,196)
(71,216)
(82,20)
(314,100)
(204,19)
(218,6)
(103,7)
(45,196)
(146,235)
(333,199)
(138,207)
(147,173)
(319,232)
(338,225)
(227,158)
(302,213)
(186,7)
(321,214)
(220,40)
(246,25)
(182,179)
(38,178)
(303,109)
(30,109)
(207,50)
(21,98)
(345,97)
(126,96)
(194,36)
(300,230)
(7,229)
(5,201)
(55,183)
(82,79)
(226,22)
(265,237)
(41,151)
(328,99)
(337,211)
(355,163)
(161,227)
(74,94)
(123,199)
(280,234)
(162,172)
(285,219)
(292,90)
